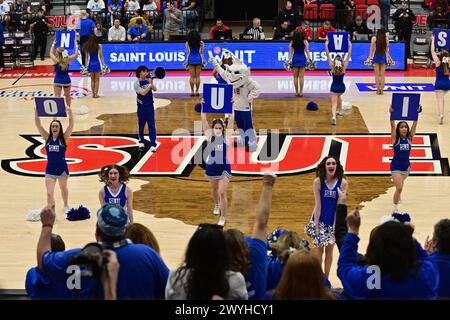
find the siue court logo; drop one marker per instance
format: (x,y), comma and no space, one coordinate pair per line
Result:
(29,92)
(284,154)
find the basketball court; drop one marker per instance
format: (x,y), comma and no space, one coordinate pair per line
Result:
(172,199)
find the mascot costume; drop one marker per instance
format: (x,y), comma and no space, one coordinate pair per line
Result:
(245,90)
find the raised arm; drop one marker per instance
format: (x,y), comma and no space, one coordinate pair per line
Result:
(349,54)
(264,206)
(48,217)
(434,55)
(393,132)
(205,124)
(75,54)
(129,194)
(412,133)
(69,129)
(37,121)
(52,53)
(327,51)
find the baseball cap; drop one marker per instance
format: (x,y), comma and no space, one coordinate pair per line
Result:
(112,220)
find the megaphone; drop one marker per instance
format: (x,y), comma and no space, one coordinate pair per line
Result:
(158,72)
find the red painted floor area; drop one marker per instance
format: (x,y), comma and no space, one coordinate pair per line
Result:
(48,72)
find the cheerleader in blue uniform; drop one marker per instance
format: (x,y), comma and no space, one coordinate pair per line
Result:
(338,67)
(442,84)
(218,169)
(379,54)
(55,147)
(330,178)
(62,79)
(194,60)
(402,137)
(94,61)
(298,52)
(115,190)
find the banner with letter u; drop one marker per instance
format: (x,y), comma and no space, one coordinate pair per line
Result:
(217,98)
(338,41)
(50,107)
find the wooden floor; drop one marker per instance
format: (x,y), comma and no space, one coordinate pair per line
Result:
(173,206)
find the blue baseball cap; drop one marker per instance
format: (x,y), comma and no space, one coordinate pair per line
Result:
(112,220)
(312,106)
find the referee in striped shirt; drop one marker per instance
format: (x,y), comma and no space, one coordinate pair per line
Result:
(254,32)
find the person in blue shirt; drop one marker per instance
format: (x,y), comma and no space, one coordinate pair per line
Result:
(330,179)
(55,146)
(338,67)
(95,62)
(439,250)
(115,189)
(143,274)
(402,137)
(85,28)
(194,60)
(144,88)
(396,266)
(114,11)
(137,32)
(442,83)
(248,255)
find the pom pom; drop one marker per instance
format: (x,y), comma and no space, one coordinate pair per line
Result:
(312,106)
(81,110)
(346,105)
(273,237)
(310,64)
(34,215)
(198,107)
(84,71)
(288,65)
(401,217)
(105,69)
(82,213)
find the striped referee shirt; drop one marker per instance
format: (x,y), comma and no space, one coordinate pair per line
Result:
(256,33)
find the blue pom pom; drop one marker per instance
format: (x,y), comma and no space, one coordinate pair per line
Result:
(312,106)
(198,107)
(82,213)
(401,217)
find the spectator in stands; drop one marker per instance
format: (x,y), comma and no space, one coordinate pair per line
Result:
(287,14)
(173,20)
(439,13)
(140,234)
(405,270)
(96,9)
(255,31)
(117,32)
(139,264)
(2,42)
(282,32)
(385,11)
(358,27)
(306,29)
(341,7)
(4,12)
(100,32)
(86,27)
(34,6)
(149,9)
(114,11)
(19,14)
(189,9)
(137,32)
(439,250)
(219,26)
(38,285)
(39,25)
(404,19)
(322,32)
(131,8)
(248,255)
(302,278)
(205,271)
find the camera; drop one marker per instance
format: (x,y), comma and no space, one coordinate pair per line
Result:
(91,260)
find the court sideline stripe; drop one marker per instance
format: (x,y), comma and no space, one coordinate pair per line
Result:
(18,79)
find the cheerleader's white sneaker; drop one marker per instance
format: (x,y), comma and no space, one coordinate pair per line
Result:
(216,210)
(221,221)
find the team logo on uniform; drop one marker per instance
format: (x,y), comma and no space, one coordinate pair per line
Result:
(284,154)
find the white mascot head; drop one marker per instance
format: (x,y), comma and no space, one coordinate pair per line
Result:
(236,74)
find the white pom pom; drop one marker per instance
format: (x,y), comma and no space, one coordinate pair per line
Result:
(346,105)
(81,110)
(385,219)
(34,215)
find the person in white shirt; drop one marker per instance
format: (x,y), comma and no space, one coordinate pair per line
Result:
(97,8)
(4,10)
(131,8)
(117,32)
